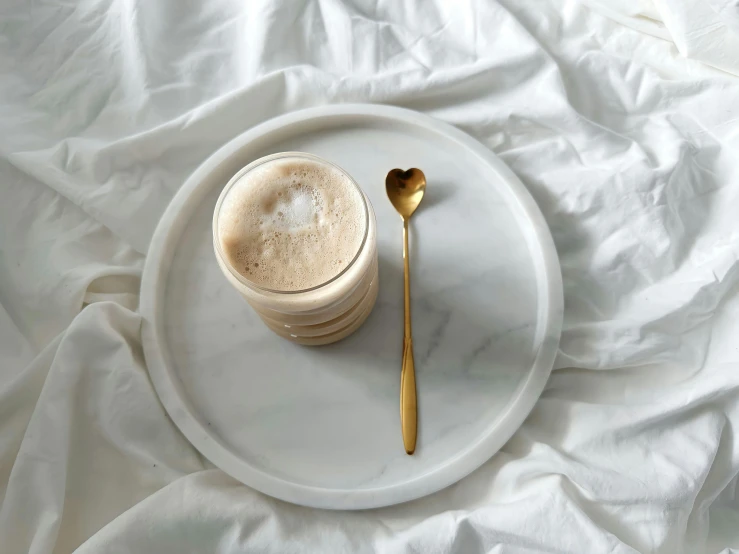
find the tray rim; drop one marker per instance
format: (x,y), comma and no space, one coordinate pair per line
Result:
(157,263)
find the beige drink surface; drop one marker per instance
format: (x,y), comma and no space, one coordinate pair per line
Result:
(291,224)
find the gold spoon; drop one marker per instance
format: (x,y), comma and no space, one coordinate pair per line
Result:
(405,190)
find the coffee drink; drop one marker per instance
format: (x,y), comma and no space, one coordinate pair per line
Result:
(296,236)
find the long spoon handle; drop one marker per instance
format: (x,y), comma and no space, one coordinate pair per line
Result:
(408,405)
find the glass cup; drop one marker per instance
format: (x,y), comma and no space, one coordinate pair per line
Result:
(324,313)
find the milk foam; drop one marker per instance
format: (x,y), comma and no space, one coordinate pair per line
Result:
(291,224)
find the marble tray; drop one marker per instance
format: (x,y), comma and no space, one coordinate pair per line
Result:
(320,426)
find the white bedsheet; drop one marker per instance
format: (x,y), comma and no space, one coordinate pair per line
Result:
(630,148)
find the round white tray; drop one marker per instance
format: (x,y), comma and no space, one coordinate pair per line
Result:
(320,426)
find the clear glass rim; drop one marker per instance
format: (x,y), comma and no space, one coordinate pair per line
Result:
(257,163)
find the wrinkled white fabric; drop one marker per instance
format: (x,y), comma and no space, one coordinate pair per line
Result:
(630,148)
(704,30)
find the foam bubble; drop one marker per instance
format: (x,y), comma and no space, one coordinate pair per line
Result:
(291,224)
